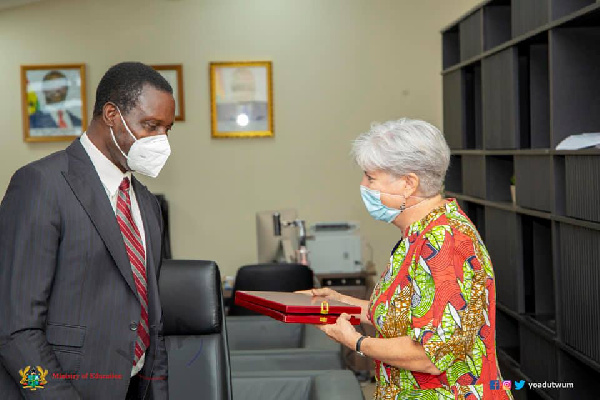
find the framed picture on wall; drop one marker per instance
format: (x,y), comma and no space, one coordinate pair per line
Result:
(173,73)
(241,99)
(53,102)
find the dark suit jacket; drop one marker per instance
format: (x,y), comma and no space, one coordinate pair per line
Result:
(68,302)
(41,119)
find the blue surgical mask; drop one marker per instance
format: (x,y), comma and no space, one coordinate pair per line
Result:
(378,210)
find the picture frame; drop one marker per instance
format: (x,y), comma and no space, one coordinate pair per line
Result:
(173,73)
(53,100)
(241,99)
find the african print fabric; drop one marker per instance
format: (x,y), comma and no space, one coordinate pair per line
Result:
(439,290)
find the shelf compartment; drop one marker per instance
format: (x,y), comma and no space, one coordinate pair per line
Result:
(462,108)
(507,335)
(473,176)
(453,182)
(582,189)
(579,282)
(470,33)
(529,15)
(534,93)
(513,373)
(499,171)
(496,24)
(562,8)
(454,115)
(473,124)
(533,177)
(538,358)
(503,240)
(538,270)
(476,213)
(500,96)
(584,379)
(560,197)
(450,47)
(575,81)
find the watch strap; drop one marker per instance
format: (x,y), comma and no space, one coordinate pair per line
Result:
(358,343)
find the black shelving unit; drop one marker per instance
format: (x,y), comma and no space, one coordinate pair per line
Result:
(496,23)
(518,78)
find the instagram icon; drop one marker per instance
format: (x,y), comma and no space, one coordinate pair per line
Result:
(506,385)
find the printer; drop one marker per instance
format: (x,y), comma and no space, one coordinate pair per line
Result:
(335,247)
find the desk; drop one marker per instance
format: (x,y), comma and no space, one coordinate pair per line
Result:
(359,285)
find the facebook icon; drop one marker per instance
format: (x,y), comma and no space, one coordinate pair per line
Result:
(495,385)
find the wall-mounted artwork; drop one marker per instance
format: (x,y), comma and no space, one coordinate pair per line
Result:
(173,73)
(53,102)
(241,99)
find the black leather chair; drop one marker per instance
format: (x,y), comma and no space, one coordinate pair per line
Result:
(271,277)
(166,240)
(194,329)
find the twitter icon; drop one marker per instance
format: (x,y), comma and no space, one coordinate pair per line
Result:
(519,385)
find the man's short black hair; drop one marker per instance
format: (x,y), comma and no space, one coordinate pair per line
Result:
(122,85)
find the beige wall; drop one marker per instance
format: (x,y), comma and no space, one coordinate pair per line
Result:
(338,65)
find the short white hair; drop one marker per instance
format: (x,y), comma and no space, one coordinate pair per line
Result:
(404,146)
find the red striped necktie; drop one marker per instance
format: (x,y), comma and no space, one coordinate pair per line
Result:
(137,259)
(61,121)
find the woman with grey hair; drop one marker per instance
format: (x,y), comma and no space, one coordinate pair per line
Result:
(434,309)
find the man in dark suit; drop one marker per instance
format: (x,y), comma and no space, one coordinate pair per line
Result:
(40,119)
(80,245)
(55,91)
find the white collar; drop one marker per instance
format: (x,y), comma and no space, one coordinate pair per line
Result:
(110,175)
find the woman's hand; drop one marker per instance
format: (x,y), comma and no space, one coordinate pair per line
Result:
(342,331)
(331,294)
(328,293)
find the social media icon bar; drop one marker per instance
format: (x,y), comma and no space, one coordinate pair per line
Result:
(519,384)
(495,385)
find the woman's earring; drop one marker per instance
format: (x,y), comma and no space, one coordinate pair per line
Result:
(403,205)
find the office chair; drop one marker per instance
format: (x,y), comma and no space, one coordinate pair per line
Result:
(270,277)
(194,330)
(166,239)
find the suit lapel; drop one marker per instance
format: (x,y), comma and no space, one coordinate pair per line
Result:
(87,187)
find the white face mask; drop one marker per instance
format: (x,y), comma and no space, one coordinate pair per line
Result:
(147,155)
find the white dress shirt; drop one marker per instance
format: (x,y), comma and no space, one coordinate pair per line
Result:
(111,177)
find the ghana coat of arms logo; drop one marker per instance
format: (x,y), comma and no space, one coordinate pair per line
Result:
(32,378)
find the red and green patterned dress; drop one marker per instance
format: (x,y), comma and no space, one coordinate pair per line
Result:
(439,290)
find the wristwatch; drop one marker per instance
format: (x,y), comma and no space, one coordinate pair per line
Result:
(358,342)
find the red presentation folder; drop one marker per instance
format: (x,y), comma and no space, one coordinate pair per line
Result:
(296,307)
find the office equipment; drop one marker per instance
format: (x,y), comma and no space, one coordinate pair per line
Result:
(335,247)
(276,243)
(296,307)
(301,254)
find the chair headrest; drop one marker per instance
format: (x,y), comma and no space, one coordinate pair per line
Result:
(191,297)
(276,277)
